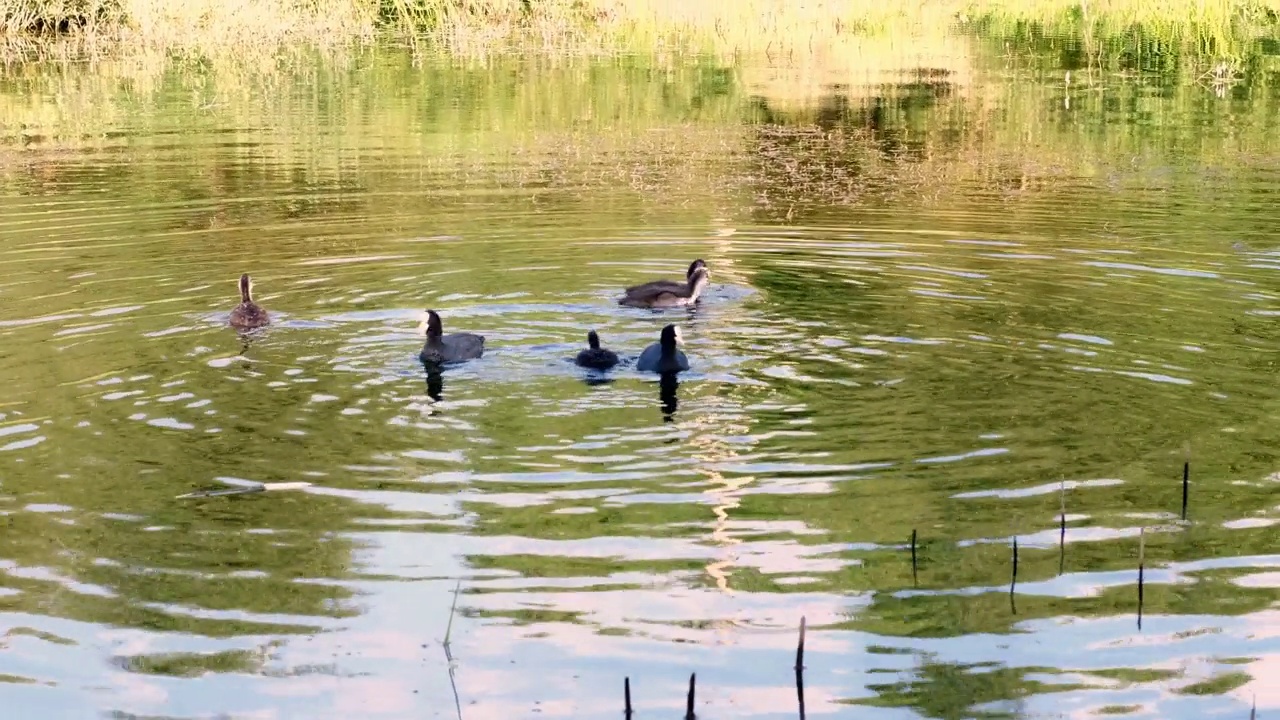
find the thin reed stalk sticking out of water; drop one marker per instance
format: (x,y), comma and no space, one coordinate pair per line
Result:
(1186,481)
(448,652)
(626,697)
(1142,551)
(800,647)
(800,669)
(915,577)
(449,628)
(1013,584)
(1062,527)
(688,712)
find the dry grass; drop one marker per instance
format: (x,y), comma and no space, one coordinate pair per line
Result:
(776,28)
(43,28)
(785,27)
(225,23)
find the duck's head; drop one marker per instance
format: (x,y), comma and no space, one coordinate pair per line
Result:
(435,328)
(246,288)
(593,340)
(671,337)
(693,266)
(699,277)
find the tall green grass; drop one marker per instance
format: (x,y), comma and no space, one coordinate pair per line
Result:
(779,28)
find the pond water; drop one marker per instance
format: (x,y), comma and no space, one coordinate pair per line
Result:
(956,299)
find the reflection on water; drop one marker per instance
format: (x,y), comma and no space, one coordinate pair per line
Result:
(953,304)
(668,383)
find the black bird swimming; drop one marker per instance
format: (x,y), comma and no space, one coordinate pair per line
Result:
(663,356)
(596,357)
(454,347)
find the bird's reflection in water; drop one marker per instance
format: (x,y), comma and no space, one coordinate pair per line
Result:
(246,338)
(435,382)
(667,385)
(594,380)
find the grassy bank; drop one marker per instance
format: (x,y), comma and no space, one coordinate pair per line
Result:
(773,27)
(205,25)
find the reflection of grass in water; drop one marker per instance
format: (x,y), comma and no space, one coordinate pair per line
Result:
(180,664)
(954,690)
(938,612)
(884,144)
(1129,676)
(110,571)
(511,106)
(193,665)
(1218,685)
(1235,660)
(536,566)
(1020,138)
(32,632)
(531,616)
(947,690)
(548,117)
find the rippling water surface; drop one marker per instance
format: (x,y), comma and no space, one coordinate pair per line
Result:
(958,303)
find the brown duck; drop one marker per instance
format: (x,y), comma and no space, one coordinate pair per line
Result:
(643,287)
(665,293)
(248,314)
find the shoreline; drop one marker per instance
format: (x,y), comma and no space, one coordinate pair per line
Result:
(1209,29)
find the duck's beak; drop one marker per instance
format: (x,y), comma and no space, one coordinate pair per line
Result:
(679,336)
(422,325)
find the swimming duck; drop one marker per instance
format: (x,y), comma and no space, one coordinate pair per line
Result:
(663,293)
(596,357)
(663,356)
(454,347)
(642,287)
(248,314)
